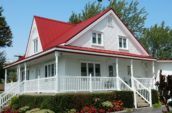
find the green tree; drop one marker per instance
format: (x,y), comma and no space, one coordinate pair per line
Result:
(158,41)
(90,10)
(5,40)
(130,13)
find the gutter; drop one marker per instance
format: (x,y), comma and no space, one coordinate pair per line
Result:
(75,51)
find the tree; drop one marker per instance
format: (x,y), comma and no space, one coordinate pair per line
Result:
(129,13)
(90,10)
(158,41)
(5,40)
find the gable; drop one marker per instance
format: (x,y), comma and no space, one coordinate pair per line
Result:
(51,30)
(33,36)
(110,36)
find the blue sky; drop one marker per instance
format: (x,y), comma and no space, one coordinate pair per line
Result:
(19,15)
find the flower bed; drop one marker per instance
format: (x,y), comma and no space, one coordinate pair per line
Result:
(77,102)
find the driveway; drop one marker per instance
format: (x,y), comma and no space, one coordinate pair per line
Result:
(148,110)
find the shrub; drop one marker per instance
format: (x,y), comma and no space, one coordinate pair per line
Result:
(118,105)
(24,109)
(33,110)
(62,102)
(71,111)
(14,102)
(107,104)
(88,109)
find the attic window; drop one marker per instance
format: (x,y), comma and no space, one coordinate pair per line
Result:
(110,21)
(123,42)
(35,44)
(97,38)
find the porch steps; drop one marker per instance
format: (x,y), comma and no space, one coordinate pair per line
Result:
(141,102)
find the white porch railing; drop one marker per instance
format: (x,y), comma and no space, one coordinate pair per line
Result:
(9,93)
(86,83)
(40,85)
(9,85)
(147,82)
(142,91)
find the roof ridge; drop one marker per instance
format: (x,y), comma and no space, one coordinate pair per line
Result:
(49,19)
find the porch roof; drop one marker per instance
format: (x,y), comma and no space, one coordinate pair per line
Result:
(83,50)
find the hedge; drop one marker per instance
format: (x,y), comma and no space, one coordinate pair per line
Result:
(155,97)
(61,102)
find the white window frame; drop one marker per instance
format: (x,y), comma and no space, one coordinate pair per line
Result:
(94,69)
(123,37)
(49,73)
(102,40)
(35,45)
(110,21)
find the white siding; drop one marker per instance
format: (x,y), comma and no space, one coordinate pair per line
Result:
(33,35)
(110,36)
(166,68)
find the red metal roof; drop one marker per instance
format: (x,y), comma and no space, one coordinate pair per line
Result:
(103,51)
(50,30)
(53,33)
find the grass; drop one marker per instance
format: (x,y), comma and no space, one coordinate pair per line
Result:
(157,105)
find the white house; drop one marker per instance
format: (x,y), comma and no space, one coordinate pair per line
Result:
(98,54)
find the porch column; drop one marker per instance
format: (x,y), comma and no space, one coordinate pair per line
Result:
(132,83)
(25,72)
(154,76)
(18,78)
(131,65)
(117,75)
(5,82)
(57,75)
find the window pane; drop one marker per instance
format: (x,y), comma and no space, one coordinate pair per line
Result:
(52,69)
(124,43)
(120,42)
(94,38)
(91,69)
(35,42)
(99,38)
(45,71)
(97,69)
(83,69)
(111,71)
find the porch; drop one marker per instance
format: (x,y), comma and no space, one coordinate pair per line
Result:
(65,72)
(62,72)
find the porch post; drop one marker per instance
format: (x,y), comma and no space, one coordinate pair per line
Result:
(18,73)
(132,83)
(90,83)
(57,75)
(154,76)
(117,75)
(5,82)
(131,65)
(25,72)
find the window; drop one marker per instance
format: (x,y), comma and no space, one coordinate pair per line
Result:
(97,39)
(110,21)
(27,75)
(35,44)
(90,68)
(111,71)
(49,70)
(97,69)
(123,42)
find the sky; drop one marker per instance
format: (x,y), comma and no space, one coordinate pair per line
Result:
(19,15)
